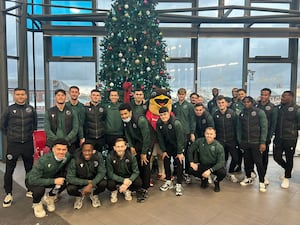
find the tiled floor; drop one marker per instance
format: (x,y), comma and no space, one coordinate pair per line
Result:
(234,205)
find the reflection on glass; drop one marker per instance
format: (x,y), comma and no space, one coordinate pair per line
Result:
(269,47)
(178,47)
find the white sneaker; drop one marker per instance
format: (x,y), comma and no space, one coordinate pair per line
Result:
(210,180)
(178,189)
(247,181)
(166,186)
(253,175)
(7,200)
(233,178)
(266,182)
(285,183)
(262,187)
(114,196)
(78,202)
(29,194)
(128,196)
(38,210)
(49,202)
(95,201)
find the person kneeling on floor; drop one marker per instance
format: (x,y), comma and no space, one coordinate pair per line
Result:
(48,172)
(123,173)
(85,176)
(206,156)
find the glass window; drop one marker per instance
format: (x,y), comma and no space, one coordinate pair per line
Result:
(182,76)
(65,74)
(12,71)
(298,78)
(72,46)
(178,47)
(264,13)
(205,3)
(269,47)
(269,75)
(11,35)
(220,65)
(174,5)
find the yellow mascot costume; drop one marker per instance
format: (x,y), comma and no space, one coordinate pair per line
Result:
(159,98)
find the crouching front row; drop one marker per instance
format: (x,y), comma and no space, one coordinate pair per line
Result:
(85,176)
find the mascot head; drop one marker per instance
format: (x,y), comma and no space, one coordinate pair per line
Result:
(159,98)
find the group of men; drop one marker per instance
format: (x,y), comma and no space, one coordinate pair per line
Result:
(97,146)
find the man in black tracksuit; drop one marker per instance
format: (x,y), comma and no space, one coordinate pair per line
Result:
(225,124)
(61,121)
(252,129)
(269,109)
(170,137)
(94,123)
(18,122)
(286,134)
(85,175)
(140,136)
(203,120)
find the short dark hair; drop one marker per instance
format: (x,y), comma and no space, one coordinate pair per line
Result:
(19,89)
(87,143)
(198,104)
(221,97)
(96,90)
(163,109)
(266,89)
(60,141)
(249,98)
(74,87)
(59,91)
(242,89)
(194,93)
(289,93)
(125,106)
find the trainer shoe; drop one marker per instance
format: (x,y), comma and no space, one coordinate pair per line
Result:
(114,196)
(166,186)
(210,179)
(285,183)
(262,187)
(247,181)
(128,196)
(179,191)
(266,182)
(204,183)
(78,202)
(38,210)
(95,201)
(7,200)
(253,175)
(151,183)
(29,194)
(49,202)
(188,179)
(232,178)
(217,186)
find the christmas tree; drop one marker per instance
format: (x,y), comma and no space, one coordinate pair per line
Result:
(133,52)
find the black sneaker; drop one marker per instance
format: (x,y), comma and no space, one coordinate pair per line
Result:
(217,186)
(140,196)
(204,183)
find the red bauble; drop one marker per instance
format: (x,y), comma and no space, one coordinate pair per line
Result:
(110,48)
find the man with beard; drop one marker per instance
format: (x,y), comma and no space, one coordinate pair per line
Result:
(61,122)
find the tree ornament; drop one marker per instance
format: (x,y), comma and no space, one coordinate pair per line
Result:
(111,84)
(120,54)
(157,43)
(144,32)
(145,47)
(147,12)
(130,39)
(110,48)
(126,6)
(137,61)
(114,19)
(157,77)
(152,62)
(119,8)
(140,13)
(146,60)
(148,68)
(126,15)
(123,60)
(169,77)
(145,1)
